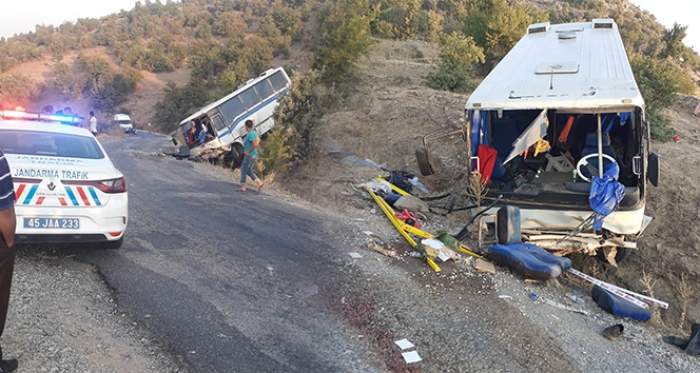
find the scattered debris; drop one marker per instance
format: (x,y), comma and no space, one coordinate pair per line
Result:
(411,357)
(576,299)
(550,302)
(355,255)
(378,248)
(484,266)
(612,332)
(635,298)
(404,344)
(502,296)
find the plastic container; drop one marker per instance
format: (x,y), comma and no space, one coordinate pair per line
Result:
(576,299)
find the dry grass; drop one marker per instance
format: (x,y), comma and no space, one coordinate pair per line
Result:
(649,284)
(477,190)
(685,293)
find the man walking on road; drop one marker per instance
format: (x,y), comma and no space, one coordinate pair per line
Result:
(250,154)
(7,252)
(93,123)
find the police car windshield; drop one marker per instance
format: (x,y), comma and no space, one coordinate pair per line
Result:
(49,144)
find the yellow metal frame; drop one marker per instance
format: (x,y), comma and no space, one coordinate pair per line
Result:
(404,228)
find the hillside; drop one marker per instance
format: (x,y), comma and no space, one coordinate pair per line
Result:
(211,46)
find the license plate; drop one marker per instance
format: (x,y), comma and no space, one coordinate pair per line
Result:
(51,223)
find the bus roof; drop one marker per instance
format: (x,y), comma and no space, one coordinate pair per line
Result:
(577,66)
(240,89)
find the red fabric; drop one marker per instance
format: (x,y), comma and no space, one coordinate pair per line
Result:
(565,133)
(487,159)
(408,217)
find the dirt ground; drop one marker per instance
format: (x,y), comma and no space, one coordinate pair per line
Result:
(391,111)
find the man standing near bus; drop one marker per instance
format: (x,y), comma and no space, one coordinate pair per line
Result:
(8,226)
(250,154)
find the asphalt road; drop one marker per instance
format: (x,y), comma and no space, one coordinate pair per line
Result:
(240,282)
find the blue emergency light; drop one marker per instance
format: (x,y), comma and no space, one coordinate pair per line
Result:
(63,119)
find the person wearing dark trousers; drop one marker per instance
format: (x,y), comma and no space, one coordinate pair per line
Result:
(7,252)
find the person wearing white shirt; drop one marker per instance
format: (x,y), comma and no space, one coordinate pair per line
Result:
(93,123)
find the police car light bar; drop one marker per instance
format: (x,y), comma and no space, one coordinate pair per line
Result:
(14,114)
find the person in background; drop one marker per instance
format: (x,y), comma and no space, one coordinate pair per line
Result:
(192,134)
(8,225)
(93,123)
(250,154)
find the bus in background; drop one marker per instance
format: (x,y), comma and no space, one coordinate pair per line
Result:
(217,130)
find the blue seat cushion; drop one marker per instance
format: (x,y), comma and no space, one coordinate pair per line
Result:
(619,306)
(530,260)
(592,140)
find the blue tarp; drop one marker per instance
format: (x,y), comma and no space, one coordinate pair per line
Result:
(608,121)
(606,194)
(479,126)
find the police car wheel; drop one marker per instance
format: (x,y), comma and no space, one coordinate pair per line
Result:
(112,245)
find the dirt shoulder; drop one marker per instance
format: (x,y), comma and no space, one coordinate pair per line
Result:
(62,318)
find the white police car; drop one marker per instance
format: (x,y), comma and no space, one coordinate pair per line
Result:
(67,189)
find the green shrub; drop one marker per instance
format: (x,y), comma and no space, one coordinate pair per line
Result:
(302,110)
(451,79)
(276,150)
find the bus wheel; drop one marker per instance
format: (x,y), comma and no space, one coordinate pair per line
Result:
(237,153)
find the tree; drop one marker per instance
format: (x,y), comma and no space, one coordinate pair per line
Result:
(67,83)
(344,37)
(178,103)
(660,81)
(229,24)
(206,60)
(496,25)
(256,54)
(302,110)
(673,39)
(458,55)
(16,89)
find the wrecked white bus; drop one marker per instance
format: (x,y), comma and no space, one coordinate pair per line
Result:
(561,102)
(216,131)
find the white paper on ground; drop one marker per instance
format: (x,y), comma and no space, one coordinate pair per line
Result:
(404,343)
(355,255)
(443,257)
(368,233)
(411,357)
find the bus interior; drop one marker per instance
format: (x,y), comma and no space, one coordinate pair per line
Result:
(203,131)
(545,172)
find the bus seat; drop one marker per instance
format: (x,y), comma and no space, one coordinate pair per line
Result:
(591,147)
(504,131)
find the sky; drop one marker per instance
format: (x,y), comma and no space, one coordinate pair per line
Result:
(21,16)
(684,12)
